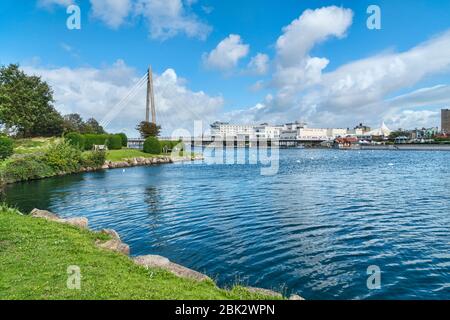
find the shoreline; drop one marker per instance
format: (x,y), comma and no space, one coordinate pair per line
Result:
(115,244)
(110,165)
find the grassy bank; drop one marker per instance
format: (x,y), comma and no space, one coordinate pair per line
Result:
(120,155)
(35,255)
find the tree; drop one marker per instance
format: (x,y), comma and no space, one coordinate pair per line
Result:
(93,126)
(148,129)
(73,123)
(26,104)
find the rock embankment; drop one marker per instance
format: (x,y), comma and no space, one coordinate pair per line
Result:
(115,244)
(141,161)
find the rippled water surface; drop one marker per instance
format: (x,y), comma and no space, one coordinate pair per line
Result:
(312,229)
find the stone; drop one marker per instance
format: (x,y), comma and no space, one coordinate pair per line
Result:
(112,233)
(79,222)
(295,297)
(44,214)
(114,245)
(105,166)
(265,292)
(153,261)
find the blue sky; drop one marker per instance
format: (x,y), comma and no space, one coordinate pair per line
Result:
(91,69)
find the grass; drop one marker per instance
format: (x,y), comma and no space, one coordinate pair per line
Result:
(35,255)
(120,155)
(32,145)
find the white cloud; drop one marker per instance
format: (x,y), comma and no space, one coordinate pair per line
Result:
(259,64)
(168,18)
(93,92)
(111,12)
(227,53)
(51,3)
(359,91)
(295,68)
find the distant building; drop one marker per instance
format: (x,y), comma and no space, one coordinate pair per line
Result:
(445,120)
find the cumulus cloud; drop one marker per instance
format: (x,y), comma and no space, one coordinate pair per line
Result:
(168,18)
(227,54)
(93,92)
(358,91)
(295,67)
(111,12)
(51,3)
(259,64)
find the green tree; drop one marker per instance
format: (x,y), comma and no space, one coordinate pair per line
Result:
(148,129)
(73,123)
(93,126)
(26,104)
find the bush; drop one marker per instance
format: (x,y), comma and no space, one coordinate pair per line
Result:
(27,168)
(95,139)
(124,138)
(63,157)
(6,147)
(152,145)
(114,142)
(93,159)
(76,140)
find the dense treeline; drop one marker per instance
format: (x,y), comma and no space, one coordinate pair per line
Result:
(26,108)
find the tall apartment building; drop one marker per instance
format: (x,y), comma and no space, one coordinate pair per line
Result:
(445,120)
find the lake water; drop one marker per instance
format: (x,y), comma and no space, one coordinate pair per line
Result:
(312,229)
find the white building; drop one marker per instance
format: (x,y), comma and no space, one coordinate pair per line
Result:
(290,131)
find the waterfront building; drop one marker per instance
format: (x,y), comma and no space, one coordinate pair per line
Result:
(382,132)
(298,131)
(445,120)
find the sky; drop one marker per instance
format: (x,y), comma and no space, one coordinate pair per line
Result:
(247,61)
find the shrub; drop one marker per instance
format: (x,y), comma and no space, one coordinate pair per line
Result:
(6,147)
(152,145)
(93,159)
(114,142)
(76,140)
(27,168)
(63,157)
(95,139)
(124,138)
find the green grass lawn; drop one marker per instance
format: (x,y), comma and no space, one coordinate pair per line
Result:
(35,255)
(32,145)
(119,155)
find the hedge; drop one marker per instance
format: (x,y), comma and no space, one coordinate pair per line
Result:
(76,140)
(6,147)
(152,145)
(112,141)
(124,139)
(115,142)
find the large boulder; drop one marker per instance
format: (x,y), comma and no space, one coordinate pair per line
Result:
(264,292)
(114,245)
(153,261)
(79,222)
(295,297)
(112,233)
(44,214)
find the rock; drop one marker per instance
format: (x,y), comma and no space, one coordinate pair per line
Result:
(265,292)
(44,214)
(79,222)
(114,245)
(105,166)
(295,297)
(152,261)
(112,233)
